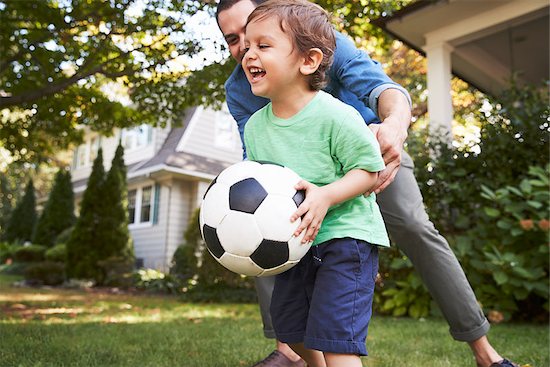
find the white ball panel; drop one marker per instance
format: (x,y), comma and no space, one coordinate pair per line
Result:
(297,249)
(277,179)
(215,205)
(240,264)
(273,218)
(279,269)
(237,172)
(239,234)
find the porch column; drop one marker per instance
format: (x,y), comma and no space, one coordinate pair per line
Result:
(440,107)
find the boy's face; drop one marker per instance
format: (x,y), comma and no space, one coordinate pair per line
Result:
(232,23)
(271,63)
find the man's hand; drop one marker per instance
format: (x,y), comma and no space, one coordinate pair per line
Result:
(395,113)
(390,138)
(312,210)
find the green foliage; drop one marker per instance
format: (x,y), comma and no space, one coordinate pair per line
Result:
(58,213)
(115,240)
(82,256)
(100,246)
(64,236)
(31,253)
(155,281)
(59,58)
(45,273)
(6,197)
(57,253)
(480,195)
(23,218)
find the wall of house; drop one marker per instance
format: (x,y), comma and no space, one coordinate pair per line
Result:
(212,134)
(155,244)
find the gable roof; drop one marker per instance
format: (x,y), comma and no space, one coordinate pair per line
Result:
(490,40)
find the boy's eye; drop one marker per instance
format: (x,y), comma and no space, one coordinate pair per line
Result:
(246,49)
(263,46)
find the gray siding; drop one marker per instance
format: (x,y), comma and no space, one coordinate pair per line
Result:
(210,139)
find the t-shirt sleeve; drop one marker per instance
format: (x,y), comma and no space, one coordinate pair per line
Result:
(249,139)
(355,146)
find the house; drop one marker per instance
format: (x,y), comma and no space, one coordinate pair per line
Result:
(483,42)
(169,169)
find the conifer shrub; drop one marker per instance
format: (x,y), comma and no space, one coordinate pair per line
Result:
(28,254)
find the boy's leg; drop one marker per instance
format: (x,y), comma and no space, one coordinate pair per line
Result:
(342,360)
(410,228)
(313,358)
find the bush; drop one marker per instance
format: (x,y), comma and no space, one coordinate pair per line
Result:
(64,236)
(58,253)
(155,281)
(6,251)
(31,253)
(117,271)
(45,273)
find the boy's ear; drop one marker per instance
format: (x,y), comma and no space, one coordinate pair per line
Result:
(311,61)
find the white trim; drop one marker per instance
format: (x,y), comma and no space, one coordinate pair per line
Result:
(190,125)
(164,167)
(479,22)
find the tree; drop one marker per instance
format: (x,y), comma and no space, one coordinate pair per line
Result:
(83,244)
(6,195)
(117,243)
(63,60)
(23,219)
(58,213)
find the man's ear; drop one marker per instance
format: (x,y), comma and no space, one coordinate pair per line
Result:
(311,61)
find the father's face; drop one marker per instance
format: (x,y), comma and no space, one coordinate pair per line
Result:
(232,23)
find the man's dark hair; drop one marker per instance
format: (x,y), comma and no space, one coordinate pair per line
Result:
(227,4)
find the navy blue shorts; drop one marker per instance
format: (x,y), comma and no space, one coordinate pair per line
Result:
(325,301)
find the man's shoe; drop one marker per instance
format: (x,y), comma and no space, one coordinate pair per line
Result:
(278,359)
(504,363)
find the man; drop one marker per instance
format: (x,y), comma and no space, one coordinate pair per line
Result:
(360,82)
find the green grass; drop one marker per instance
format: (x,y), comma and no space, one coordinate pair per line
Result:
(51,327)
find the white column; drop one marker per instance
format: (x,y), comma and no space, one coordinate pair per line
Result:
(440,107)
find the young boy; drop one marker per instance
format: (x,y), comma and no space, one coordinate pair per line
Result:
(322,306)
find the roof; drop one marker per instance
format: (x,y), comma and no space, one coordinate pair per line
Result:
(490,40)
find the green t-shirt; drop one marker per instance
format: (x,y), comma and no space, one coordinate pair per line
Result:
(321,143)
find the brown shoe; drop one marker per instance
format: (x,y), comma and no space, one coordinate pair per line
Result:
(278,359)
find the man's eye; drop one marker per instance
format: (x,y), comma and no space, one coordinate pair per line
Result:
(231,40)
(246,49)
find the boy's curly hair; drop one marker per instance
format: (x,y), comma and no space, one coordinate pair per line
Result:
(309,27)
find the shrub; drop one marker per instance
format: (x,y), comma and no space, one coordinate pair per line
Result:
(47,273)
(152,280)
(6,251)
(31,253)
(58,253)
(117,271)
(64,236)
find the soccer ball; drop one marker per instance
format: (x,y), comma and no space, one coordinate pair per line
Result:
(245,219)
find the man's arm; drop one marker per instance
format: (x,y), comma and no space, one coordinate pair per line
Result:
(364,77)
(395,113)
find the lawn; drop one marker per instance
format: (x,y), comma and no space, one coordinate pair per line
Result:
(53,327)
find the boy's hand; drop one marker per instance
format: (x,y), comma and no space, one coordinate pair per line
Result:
(313,209)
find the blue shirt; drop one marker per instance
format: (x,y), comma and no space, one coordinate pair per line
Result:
(354,78)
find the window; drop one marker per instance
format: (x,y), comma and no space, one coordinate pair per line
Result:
(140,205)
(86,153)
(137,137)
(226,134)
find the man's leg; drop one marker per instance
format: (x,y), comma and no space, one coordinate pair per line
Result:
(410,228)
(264,289)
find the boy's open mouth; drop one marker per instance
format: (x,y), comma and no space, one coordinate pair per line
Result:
(256,73)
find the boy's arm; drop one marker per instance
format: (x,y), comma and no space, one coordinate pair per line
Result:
(319,199)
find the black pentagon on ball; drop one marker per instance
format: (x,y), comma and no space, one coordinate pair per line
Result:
(270,254)
(246,195)
(299,197)
(212,241)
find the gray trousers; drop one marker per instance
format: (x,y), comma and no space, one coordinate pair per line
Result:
(410,229)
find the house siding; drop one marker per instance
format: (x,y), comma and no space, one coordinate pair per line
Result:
(201,138)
